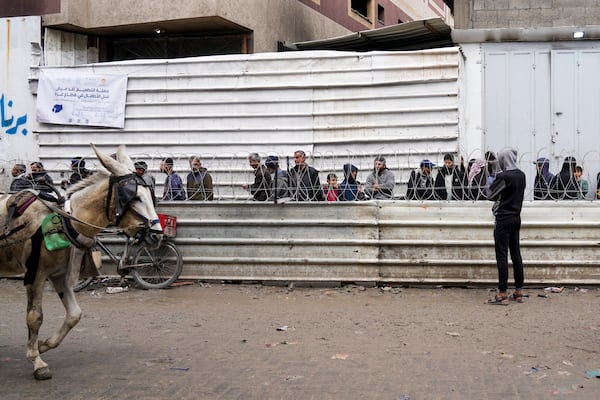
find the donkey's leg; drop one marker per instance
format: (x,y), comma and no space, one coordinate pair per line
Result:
(67,296)
(35,318)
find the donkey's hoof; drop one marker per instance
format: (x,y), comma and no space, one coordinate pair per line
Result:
(42,374)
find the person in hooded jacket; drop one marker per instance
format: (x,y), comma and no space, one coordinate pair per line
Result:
(542,180)
(564,186)
(450,181)
(508,191)
(421,183)
(350,189)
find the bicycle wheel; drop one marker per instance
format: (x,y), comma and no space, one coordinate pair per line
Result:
(82,284)
(156,268)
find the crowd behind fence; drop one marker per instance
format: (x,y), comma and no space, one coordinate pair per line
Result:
(416,175)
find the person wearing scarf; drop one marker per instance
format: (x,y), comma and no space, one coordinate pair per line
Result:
(350,189)
(564,185)
(542,180)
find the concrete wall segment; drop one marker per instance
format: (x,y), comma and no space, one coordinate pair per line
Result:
(20,51)
(388,241)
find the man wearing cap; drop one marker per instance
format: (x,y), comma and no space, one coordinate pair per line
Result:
(173,188)
(261,187)
(79,172)
(279,179)
(421,183)
(20,181)
(380,183)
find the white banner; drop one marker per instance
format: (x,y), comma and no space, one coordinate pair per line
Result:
(74,99)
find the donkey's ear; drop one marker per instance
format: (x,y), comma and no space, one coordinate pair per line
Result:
(124,158)
(112,165)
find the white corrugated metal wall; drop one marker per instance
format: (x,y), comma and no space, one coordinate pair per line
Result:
(544,99)
(339,107)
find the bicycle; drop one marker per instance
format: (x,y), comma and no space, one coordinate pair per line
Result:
(150,267)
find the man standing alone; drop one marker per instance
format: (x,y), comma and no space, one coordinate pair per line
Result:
(507,191)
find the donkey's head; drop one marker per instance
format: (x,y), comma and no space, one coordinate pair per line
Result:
(129,202)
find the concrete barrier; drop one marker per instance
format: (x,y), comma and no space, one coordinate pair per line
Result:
(387,241)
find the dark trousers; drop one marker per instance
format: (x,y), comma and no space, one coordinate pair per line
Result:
(506,237)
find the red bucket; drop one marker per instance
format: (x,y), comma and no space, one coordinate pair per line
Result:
(169,224)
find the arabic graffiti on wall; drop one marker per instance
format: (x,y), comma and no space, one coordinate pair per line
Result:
(10,124)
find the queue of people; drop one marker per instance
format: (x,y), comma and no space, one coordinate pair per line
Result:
(450,181)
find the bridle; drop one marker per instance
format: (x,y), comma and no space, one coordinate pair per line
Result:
(125,191)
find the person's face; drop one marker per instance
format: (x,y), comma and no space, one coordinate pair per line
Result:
(425,170)
(379,165)
(353,173)
(35,168)
(332,181)
(299,159)
(195,165)
(448,163)
(253,163)
(15,171)
(164,167)
(140,171)
(578,174)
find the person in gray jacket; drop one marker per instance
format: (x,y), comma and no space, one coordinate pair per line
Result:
(380,183)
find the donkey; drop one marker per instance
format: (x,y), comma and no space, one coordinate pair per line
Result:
(96,202)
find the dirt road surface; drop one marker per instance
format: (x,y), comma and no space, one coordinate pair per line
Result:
(215,341)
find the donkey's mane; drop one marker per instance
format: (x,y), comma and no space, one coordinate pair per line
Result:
(89,181)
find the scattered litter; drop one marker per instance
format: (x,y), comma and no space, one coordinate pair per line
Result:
(564,373)
(554,289)
(569,363)
(283,328)
(180,368)
(593,373)
(184,283)
(581,290)
(544,295)
(340,356)
(454,334)
(116,289)
(561,391)
(538,368)
(294,377)
(403,397)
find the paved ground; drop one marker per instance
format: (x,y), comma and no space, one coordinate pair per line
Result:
(262,342)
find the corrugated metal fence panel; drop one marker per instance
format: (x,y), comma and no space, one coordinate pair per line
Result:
(406,242)
(400,104)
